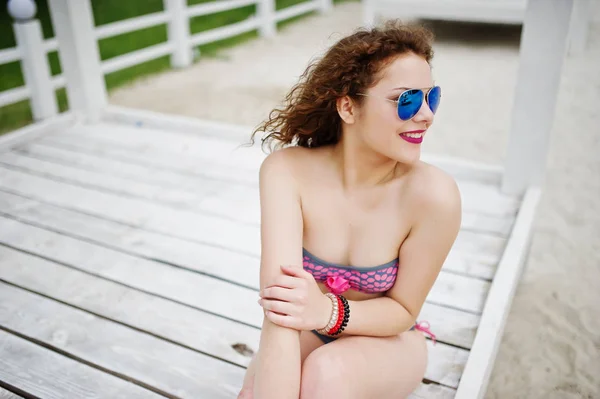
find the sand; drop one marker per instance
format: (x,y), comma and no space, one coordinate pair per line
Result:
(551,344)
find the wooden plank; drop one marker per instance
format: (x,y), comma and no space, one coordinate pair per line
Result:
(190,165)
(473,254)
(471,264)
(5,394)
(46,374)
(205,332)
(459,292)
(213,149)
(481,360)
(135,212)
(198,199)
(161,366)
(466,170)
(215,229)
(230,266)
(213,295)
(133,117)
(432,391)
(96,163)
(182,164)
(102,297)
(460,168)
(141,357)
(186,195)
(482,198)
(209,260)
(486,198)
(203,292)
(206,259)
(37,129)
(173,197)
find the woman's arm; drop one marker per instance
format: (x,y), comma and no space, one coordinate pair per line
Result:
(278,359)
(421,255)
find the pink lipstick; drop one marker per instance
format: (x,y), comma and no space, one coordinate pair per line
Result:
(413,136)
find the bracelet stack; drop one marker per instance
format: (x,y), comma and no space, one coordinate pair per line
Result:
(339,316)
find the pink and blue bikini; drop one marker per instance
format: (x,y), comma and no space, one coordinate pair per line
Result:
(339,278)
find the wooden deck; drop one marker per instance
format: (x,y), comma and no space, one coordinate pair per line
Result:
(129,264)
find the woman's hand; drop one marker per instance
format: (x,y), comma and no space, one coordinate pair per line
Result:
(295,301)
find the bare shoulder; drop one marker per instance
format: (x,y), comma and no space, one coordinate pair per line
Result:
(434,189)
(286,163)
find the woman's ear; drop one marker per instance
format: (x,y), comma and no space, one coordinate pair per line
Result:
(347,109)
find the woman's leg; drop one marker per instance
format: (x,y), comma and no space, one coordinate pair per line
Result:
(357,367)
(308,343)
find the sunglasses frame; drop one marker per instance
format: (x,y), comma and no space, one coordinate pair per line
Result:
(424,90)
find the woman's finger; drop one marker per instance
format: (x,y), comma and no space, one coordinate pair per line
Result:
(284,308)
(278,293)
(280,320)
(285,281)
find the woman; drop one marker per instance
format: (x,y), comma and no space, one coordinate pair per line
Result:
(354,227)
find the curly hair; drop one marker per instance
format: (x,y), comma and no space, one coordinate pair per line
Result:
(309,117)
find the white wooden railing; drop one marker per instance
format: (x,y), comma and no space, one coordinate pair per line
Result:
(78,50)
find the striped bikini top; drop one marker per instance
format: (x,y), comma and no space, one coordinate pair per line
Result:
(339,278)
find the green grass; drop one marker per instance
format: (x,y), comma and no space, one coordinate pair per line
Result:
(106,11)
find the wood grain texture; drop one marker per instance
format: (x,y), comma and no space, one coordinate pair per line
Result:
(498,303)
(146,359)
(109,182)
(473,254)
(204,228)
(96,163)
(5,394)
(162,317)
(92,293)
(204,292)
(49,375)
(225,157)
(432,391)
(459,332)
(477,197)
(159,230)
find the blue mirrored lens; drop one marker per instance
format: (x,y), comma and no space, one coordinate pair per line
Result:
(433,98)
(409,103)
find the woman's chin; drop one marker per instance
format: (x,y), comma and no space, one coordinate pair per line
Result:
(408,158)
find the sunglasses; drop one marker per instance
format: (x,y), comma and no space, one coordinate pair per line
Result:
(410,101)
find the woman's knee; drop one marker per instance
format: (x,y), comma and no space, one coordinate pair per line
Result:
(418,343)
(322,375)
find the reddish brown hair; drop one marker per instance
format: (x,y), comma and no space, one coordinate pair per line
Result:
(309,117)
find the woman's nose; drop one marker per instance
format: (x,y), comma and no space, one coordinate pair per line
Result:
(425,114)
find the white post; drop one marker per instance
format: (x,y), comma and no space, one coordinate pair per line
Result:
(73,24)
(578,30)
(326,6)
(266,14)
(178,30)
(542,53)
(36,71)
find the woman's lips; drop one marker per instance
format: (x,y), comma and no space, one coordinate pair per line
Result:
(414,137)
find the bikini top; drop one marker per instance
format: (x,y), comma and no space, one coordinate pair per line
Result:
(339,278)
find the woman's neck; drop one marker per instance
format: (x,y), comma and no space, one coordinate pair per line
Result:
(361,167)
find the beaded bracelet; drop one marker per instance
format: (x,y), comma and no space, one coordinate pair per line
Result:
(343,317)
(340,315)
(334,314)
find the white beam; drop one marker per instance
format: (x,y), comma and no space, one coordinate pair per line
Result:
(543,48)
(178,30)
(73,23)
(36,69)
